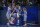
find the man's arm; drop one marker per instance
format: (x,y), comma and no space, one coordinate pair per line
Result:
(11,8)
(13,11)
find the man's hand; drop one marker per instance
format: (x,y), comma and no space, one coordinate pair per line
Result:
(12,14)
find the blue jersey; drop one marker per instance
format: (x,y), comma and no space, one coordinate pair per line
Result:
(14,11)
(17,10)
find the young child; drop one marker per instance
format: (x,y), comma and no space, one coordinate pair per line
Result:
(8,15)
(25,15)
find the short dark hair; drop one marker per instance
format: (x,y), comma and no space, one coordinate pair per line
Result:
(9,4)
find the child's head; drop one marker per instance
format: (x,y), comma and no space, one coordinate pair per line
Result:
(24,9)
(16,6)
(19,7)
(12,7)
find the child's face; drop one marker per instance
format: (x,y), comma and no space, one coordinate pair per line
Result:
(19,7)
(24,9)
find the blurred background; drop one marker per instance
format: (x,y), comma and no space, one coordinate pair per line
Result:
(4,3)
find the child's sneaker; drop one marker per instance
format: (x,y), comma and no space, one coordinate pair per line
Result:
(11,22)
(25,24)
(8,24)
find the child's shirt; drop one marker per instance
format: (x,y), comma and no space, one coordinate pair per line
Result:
(8,14)
(25,13)
(9,10)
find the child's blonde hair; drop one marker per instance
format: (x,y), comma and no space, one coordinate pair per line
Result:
(24,9)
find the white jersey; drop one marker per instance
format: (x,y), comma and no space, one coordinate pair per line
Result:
(9,10)
(8,14)
(25,15)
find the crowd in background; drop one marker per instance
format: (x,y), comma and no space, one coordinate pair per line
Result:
(5,3)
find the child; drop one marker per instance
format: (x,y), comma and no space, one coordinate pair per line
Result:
(8,14)
(25,15)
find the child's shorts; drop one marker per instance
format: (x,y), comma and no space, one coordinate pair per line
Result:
(25,18)
(8,16)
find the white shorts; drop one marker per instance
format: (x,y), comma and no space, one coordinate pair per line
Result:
(25,17)
(8,16)
(17,15)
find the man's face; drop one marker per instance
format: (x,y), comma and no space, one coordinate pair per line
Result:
(9,5)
